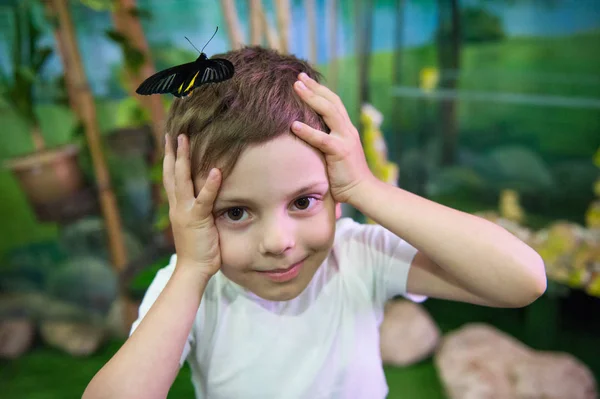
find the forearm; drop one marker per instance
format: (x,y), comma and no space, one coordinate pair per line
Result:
(481,256)
(147,364)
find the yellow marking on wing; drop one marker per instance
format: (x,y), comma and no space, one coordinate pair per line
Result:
(180,87)
(192,82)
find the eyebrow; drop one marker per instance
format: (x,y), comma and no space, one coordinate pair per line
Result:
(303,189)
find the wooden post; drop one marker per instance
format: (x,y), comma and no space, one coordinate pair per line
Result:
(87,111)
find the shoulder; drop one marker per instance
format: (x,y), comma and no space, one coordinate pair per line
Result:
(358,237)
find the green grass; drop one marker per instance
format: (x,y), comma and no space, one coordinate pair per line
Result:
(48,374)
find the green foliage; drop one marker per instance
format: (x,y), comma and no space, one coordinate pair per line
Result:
(139,285)
(518,168)
(26,267)
(28,59)
(134,58)
(131,114)
(479,25)
(456,178)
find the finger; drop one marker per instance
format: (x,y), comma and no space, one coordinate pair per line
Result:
(203,205)
(322,106)
(184,188)
(169,171)
(326,143)
(325,92)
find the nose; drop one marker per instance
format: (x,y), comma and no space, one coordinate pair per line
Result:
(278,236)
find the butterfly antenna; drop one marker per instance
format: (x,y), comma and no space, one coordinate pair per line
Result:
(192,44)
(210,38)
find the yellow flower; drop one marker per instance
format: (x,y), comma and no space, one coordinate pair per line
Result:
(592,216)
(429,78)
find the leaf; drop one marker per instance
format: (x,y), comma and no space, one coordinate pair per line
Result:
(99,5)
(41,58)
(116,37)
(140,13)
(134,59)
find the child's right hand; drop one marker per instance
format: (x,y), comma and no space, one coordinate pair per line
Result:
(195,234)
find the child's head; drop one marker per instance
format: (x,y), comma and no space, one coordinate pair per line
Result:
(242,126)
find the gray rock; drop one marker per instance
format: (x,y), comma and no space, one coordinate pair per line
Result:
(16,337)
(481,362)
(407,334)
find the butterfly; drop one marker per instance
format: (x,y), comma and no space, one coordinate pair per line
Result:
(180,80)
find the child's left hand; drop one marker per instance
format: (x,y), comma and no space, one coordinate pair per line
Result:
(346,164)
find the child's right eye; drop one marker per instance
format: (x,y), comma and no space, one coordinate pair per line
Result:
(234,214)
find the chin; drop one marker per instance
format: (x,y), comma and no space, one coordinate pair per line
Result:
(281,295)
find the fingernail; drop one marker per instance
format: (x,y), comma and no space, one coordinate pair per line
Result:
(296,126)
(180,139)
(166,138)
(300,85)
(304,76)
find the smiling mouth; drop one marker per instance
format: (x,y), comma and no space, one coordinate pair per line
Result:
(283,275)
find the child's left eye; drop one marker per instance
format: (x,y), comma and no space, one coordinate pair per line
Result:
(305,202)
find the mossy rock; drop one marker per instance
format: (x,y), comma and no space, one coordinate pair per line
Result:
(89,282)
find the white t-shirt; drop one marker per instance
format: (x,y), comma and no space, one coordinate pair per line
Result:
(322,344)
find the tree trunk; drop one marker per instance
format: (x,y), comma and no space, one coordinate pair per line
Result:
(236,37)
(283,24)
(333,61)
(87,110)
(311,24)
(449,51)
(130,27)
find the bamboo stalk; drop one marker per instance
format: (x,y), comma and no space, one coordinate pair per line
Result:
(236,37)
(87,108)
(311,22)
(273,40)
(283,11)
(256,28)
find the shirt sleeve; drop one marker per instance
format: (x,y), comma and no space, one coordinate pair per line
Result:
(158,284)
(382,258)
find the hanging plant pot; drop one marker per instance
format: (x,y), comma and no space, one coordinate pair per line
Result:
(54,185)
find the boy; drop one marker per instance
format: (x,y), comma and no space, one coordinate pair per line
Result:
(270,293)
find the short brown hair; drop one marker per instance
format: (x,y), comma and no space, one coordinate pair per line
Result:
(255,106)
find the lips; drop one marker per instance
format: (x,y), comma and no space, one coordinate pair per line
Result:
(283,275)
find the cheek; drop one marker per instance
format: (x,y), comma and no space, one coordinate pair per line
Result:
(235,251)
(318,232)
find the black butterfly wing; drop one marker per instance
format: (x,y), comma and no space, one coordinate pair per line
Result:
(182,79)
(168,80)
(213,71)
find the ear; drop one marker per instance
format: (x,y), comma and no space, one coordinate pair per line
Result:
(338,210)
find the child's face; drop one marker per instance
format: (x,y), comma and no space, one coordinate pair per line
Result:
(266,223)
